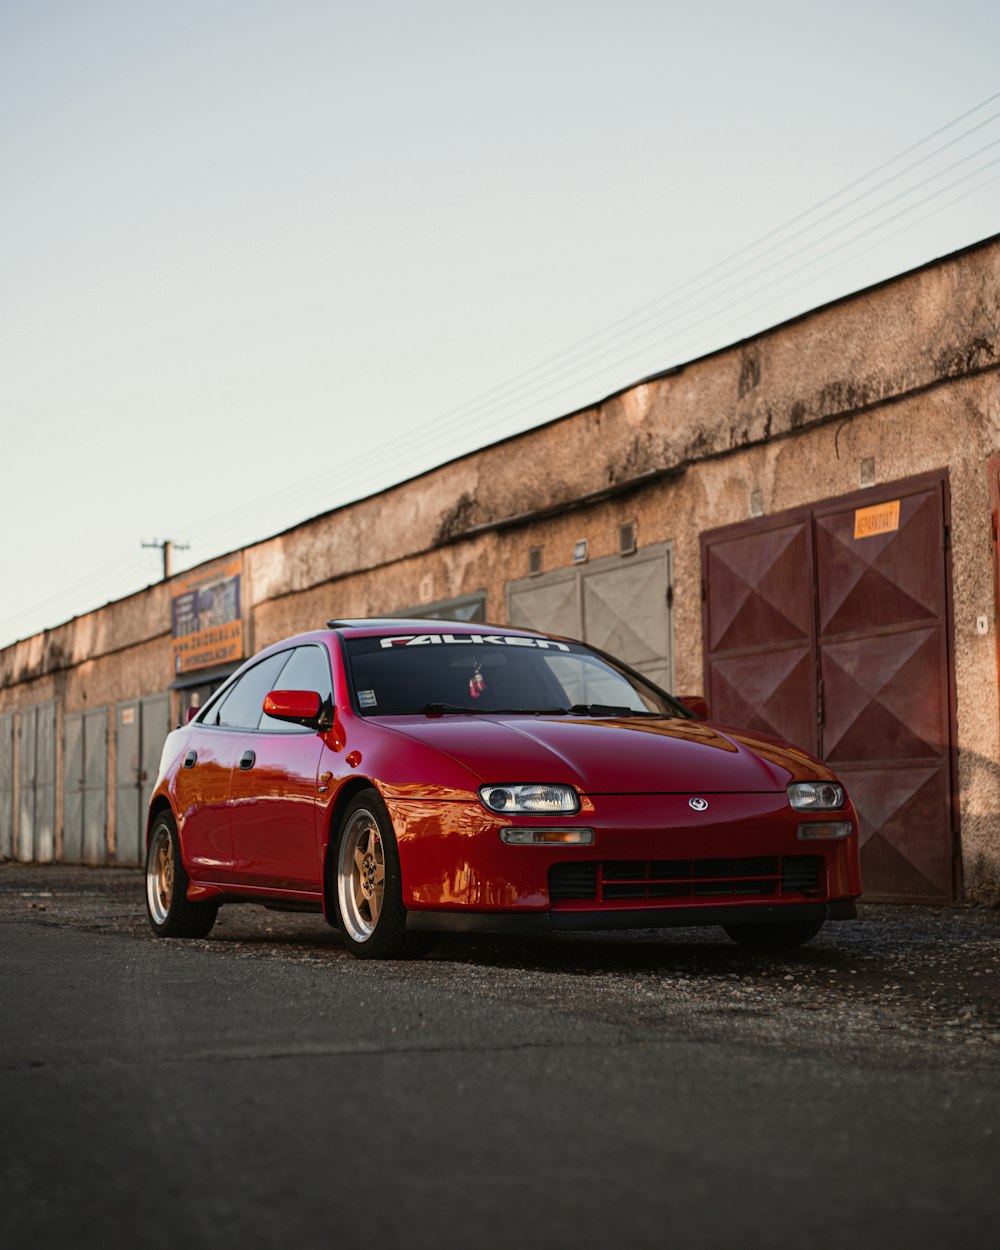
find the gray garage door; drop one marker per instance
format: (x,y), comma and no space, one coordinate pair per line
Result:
(140,730)
(621,604)
(6,785)
(85,786)
(36,835)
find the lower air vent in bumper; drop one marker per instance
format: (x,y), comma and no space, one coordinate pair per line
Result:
(675,880)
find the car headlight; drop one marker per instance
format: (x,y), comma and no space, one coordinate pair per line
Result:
(815,796)
(530,799)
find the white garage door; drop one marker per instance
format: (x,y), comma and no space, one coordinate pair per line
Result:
(621,604)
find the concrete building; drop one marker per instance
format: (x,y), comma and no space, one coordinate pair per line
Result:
(800,526)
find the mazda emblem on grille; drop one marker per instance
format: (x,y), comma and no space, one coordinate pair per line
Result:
(699,805)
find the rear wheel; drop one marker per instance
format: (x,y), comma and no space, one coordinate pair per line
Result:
(369,892)
(774,935)
(170,913)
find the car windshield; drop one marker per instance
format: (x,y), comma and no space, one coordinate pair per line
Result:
(461,674)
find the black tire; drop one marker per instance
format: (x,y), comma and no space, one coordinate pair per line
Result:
(366,885)
(167,906)
(774,935)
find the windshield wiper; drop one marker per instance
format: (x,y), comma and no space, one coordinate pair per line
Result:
(607,709)
(444,709)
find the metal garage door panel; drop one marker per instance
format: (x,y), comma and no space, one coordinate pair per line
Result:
(6,786)
(873,613)
(625,611)
(154,712)
(760,631)
(882,608)
(760,589)
(45,784)
(884,698)
(26,722)
(95,785)
(550,604)
(904,854)
(883,580)
(73,788)
(771,692)
(127,782)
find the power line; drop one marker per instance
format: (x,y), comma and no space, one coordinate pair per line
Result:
(534,385)
(400,452)
(459,415)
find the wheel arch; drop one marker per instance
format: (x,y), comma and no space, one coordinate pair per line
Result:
(345,796)
(159,805)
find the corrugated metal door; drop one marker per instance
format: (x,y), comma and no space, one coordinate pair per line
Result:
(45,783)
(6,785)
(883,614)
(153,730)
(73,787)
(141,728)
(36,838)
(620,604)
(95,786)
(85,772)
(127,782)
(834,634)
(26,721)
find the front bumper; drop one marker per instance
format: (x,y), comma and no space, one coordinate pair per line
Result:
(651,856)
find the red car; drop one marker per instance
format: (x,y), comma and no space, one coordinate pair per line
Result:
(411,776)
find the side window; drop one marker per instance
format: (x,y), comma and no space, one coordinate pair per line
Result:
(243,706)
(308,669)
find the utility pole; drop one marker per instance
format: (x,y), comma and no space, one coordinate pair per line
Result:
(168,547)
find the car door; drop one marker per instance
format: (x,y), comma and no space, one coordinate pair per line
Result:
(214,745)
(274,789)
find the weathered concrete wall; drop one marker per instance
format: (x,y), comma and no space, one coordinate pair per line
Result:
(907,374)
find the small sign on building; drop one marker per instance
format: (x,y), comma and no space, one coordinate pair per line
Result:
(207,609)
(881,518)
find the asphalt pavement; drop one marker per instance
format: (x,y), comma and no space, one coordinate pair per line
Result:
(262,1088)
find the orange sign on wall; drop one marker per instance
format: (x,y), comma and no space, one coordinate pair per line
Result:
(207,614)
(881,518)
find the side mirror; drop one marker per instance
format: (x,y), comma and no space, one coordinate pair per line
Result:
(301,707)
(695,703)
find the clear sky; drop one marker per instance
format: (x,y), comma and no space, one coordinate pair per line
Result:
(259,258)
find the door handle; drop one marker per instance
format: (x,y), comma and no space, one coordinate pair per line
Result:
(190,759)
(247,760)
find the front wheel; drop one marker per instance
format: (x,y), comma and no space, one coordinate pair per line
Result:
(370,908)
(167,906)
(774,935)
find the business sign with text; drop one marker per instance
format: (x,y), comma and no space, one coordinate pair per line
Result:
(207,627)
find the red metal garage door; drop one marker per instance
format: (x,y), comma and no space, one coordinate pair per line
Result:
(829,626)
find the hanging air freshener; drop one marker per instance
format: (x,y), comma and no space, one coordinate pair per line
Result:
(477,682)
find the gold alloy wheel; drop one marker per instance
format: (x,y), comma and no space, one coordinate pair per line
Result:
(160,874)
(361,875)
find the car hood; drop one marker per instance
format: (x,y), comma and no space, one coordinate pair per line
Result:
(616,756)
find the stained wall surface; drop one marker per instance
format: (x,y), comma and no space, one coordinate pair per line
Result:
(898,380)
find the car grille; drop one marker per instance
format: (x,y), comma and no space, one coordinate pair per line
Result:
(668,880)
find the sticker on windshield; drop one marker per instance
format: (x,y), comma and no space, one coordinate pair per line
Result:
(469,640)
(367,698)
